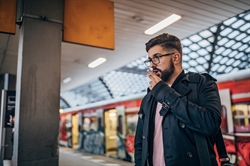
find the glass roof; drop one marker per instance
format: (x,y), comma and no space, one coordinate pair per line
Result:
(220,49)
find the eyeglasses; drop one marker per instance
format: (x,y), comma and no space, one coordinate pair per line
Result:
(156,59)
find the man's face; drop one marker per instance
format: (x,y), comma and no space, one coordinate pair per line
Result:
(166,67)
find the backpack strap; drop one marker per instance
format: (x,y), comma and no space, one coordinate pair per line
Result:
(220,145)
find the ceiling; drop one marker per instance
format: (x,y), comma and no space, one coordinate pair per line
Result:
(132,18)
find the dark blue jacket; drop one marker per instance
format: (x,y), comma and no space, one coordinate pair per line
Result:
(181,118)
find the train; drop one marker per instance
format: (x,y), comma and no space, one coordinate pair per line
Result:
(108,127)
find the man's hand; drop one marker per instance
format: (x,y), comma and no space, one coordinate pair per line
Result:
(154,79)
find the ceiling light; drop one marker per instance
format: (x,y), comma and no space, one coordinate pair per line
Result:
(164,23)
(66,80)
(97,62)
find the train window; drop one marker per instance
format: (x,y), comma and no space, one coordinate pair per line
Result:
(90,124)
(131,124)
(241,114)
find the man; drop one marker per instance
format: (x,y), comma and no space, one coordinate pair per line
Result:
(167,117)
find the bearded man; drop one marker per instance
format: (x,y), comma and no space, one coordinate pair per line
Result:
(168,117)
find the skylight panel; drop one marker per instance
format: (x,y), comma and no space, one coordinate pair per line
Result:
(202,52)
(201,60)
(195,38)
(213,29)
(230,21)
(241,36)
(238,56)
(230,43)
(204,43)
(217,59)
(242,48)
(236,63)
(246,40)
(186,50)
(205,34)
(230,62)
(226,52)
(194,47)
(220,50)
(223,41)
(228,69)
(245,27)
(221,68)
(237,24)
(193,55)
(233,54)
(200,68)
(237,45)
(233,34)
(186,42)
(215,67)
(211,39)
(193,63)
(185,58)
(226,31)
(224,60)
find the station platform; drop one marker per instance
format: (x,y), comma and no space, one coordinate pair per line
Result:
(72,157)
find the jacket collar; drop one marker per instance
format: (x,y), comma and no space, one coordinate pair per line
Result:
(180,83)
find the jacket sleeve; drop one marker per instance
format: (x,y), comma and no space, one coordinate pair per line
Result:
(203,117)
(138,139)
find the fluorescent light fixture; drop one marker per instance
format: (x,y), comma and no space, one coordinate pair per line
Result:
(97,62)
(164,23)
(66,80)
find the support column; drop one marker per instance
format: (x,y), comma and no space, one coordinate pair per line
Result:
(38,84)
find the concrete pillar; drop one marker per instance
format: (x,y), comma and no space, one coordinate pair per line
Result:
(38,84)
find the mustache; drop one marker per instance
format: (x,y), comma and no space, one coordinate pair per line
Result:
(156,69)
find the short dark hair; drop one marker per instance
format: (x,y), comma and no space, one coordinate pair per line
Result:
(165,40)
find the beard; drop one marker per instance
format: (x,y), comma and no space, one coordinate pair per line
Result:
(167,73)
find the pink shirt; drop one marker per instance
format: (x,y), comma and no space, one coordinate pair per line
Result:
(158,153)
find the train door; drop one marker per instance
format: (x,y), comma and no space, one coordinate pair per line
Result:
(131,119)
(68,127)
(80,124)
(100,124)
(121,153)
(110,121)
(75,131)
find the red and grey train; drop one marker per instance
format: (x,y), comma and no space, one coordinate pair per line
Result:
(108,127)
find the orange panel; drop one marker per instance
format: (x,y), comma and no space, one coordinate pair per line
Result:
(89,23)
(8,16)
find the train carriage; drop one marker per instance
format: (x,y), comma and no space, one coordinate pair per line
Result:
(108,127)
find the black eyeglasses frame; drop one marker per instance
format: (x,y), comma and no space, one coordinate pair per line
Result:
(158,56)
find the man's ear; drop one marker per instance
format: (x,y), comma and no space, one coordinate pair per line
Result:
(176,58)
